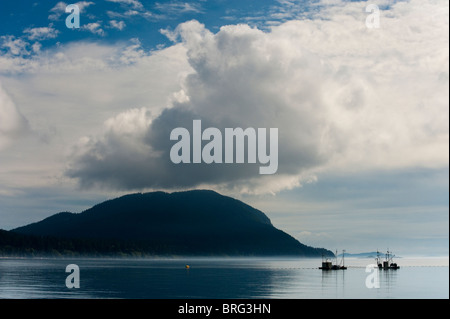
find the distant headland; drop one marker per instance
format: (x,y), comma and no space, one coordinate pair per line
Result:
(197,222)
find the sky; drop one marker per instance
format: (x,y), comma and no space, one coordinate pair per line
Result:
(362,111)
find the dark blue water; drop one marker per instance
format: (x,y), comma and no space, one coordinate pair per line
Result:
(219,278)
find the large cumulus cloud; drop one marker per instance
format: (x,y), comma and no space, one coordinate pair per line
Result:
(12,123)
(342,96)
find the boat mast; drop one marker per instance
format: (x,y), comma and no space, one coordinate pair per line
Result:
(336,257)
(343,253)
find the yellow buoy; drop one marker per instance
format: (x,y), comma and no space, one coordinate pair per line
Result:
(187,266)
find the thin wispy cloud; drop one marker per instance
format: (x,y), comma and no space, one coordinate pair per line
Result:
(119,25)
(41,33)
(60,8)
(57,11)
(129,9)
(176,7)
(94,28)
(132,3)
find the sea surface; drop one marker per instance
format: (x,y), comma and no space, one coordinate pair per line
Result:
(217,278)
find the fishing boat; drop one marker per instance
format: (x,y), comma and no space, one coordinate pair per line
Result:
(388,262)
(327,264)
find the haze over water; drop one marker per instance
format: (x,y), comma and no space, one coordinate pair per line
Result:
(220,278)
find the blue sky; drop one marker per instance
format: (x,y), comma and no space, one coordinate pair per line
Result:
(85,114)
(138,19)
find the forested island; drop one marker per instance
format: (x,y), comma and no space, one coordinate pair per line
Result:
(198,222)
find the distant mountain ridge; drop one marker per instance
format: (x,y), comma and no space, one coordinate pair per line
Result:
(198,222)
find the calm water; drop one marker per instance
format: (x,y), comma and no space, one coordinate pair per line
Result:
(220,278)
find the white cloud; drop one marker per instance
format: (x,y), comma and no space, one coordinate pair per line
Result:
(131,13)
(171,35)
(41,33)
(12,123)
(66,93)
(133,3)
(14,46)
(176,7)
(36,47)
(17,50)
(132,53)
(60,8)
(132,9)
(94,28)
(343,97)
(57,11)
(119,25)
(83,4)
